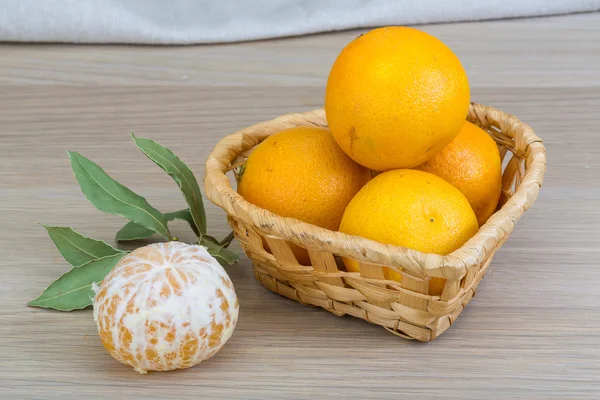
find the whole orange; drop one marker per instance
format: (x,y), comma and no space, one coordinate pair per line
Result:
(471,162)
(396,96)
(302,173)
(413,209)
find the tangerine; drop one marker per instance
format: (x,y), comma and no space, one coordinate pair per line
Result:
(395,97)
(165,306)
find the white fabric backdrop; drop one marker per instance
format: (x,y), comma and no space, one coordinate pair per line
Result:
(212,21)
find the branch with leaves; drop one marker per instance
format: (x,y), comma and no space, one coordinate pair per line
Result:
(93,259)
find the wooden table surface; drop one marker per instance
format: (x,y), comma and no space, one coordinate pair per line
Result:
(533,330)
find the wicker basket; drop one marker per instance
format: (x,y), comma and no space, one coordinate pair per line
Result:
(405,308)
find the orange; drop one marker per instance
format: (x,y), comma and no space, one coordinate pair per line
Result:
(165,306)
(396,96)
(413,209)
(302,173)
(471,162)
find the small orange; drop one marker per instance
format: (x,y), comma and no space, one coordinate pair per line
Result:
(165,306)
(471,162)
(413,209)
(395,96)
(302,173)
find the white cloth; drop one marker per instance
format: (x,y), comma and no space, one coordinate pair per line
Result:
(213,21)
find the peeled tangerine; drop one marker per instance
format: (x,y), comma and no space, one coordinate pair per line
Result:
(165,306)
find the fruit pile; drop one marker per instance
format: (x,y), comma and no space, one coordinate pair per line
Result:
(399,163)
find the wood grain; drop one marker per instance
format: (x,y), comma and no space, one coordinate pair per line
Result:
(533,330)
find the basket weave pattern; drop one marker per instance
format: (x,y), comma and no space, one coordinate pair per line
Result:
(405,309)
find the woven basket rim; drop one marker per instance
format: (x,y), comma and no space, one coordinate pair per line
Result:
(451,266)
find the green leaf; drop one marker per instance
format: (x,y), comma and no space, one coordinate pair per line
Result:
(110,196)
(76,248)
(184,215)
(73,290)
(133,231)
(227,240)
(218,251)
(208,238)
(181,174)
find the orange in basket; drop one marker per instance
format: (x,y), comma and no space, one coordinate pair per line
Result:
(303,174)
(406,308)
